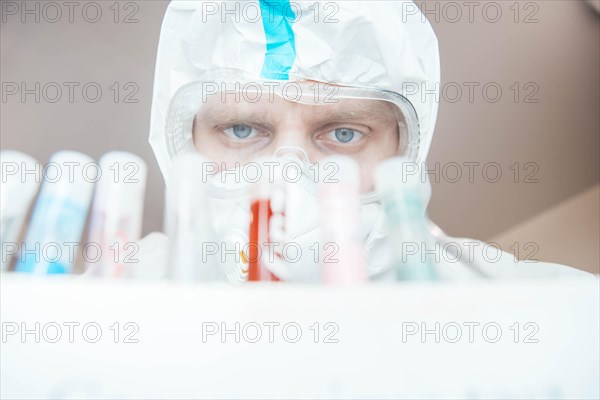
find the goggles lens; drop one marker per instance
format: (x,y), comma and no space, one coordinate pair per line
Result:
(233,123)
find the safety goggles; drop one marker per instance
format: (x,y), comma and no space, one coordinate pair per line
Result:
(233,119)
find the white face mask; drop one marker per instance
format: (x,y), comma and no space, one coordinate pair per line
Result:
(294,231)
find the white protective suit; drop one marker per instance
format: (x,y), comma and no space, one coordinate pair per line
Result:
(365,44)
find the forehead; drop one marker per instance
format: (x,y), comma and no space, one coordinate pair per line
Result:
(271,108)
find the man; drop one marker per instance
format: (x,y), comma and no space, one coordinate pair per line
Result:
(236,81)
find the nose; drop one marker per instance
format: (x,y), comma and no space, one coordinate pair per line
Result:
(291,134)
(293,152)
(294,141)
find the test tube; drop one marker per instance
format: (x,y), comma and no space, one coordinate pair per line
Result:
(189,223)
(404,206)
(260,224)
(21,177)
(116,218)
(341,251)
(57,222)
(261,221)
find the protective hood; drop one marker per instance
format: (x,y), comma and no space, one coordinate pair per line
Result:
(387,45)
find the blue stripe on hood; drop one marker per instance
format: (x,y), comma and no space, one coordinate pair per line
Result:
(277,18)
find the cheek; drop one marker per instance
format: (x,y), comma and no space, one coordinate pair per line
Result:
(391,144)
(366,176)
(378,151)
(366,182)
(211,147)
(205,145)
(381,148)
(316,154)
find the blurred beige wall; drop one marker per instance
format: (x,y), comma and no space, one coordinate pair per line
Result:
(560,55)
(547,130)
(568,233)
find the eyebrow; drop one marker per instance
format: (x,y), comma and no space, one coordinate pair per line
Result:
(221,114)
(371,111)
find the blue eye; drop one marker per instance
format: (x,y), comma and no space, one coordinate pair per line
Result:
(344,135)
(239,131)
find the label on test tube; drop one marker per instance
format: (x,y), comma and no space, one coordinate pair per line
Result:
(116,218)
(343,259)
(188,222)
(21,177)
(56,226)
